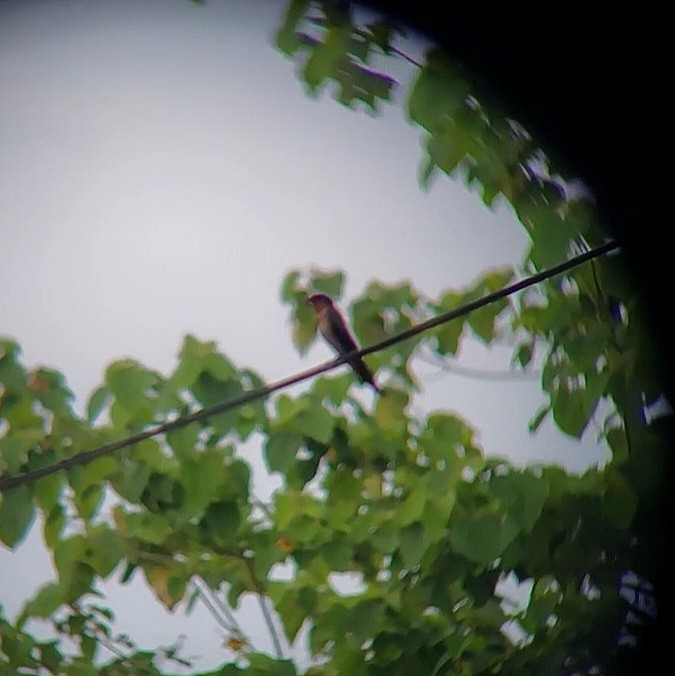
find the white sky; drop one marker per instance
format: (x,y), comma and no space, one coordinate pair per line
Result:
(161,170)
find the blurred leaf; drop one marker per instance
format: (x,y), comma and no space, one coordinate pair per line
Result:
(620,502)
(523,496)
(47,599)
(287,38)
(221,520)
(280,451)
(49,388)
(482,535)
(16,515)
(413,544)
(329,282)
(326,56)
(98,401)
(130,383)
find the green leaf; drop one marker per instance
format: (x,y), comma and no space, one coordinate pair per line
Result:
(550,239)
(54,524)
(326,56)
(287,38)
(366,619)
(334,388)
(412,507)
(522,494)
(49,388)
(305,416)
(103,550)
(437,93)
(293,504)
(132,480)
(130,383)
(148,527)
(202,477)
(183,441)
(16,515)
(93,473)
(390,414)
(47,599)
(483,535)
(413,545)
(571,409)
(14,453)
(222,520)
(210,391)
(544,598)
(290,286)
(98,401)
(304,327)
(280,451)
(538,418)
(328,282)
(620,501)
(291,612)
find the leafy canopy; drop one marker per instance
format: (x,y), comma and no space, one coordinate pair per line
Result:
(427,522)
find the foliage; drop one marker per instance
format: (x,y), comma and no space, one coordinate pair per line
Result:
(409,505)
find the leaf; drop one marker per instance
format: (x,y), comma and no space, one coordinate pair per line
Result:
(147,527)
(550,239)
(412,507)
(98,401)
(104,549)
(14,453)
(293,504)
(280,451)
(305,416)
(49,388)
(437,92)
(570,408)
(413,545)
(483,535)
(202,477)
(304,327)
(326,57)
(130,383)
(45,602)
(222,520)
(287,38)
(390,414)
(210,391)
(16,515)
(538,418)
(132,480)
(183,440)
(522,494)
(292,613)
(168,588)
(328,282)
(334,388)
(620,501)
(366,618)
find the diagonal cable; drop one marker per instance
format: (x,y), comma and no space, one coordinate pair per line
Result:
(87,456)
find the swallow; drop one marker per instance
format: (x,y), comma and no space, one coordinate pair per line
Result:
(333,328)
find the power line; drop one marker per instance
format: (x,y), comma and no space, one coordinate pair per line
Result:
(85,457)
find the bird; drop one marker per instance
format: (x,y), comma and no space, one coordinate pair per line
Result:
(333,328)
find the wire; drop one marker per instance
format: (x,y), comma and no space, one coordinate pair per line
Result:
(85,457)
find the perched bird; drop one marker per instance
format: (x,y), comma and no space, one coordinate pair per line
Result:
(333,328)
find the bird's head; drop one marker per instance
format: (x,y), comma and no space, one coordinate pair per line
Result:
(319,301)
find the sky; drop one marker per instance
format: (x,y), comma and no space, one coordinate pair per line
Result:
(162,169)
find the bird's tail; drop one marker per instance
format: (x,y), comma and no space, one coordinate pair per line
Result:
(364,373)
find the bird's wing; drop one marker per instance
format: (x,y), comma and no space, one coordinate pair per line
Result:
(339,336)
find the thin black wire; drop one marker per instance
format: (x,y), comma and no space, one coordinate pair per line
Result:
(87,456)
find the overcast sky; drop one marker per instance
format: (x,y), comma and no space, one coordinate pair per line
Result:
(161,170)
